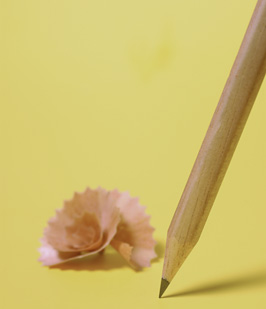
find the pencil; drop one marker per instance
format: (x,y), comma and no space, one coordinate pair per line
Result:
(218,146)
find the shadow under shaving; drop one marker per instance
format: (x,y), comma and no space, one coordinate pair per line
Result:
(107,260)
(159,249)
(99,261)
(253,279)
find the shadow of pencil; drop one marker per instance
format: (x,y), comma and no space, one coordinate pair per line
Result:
(254,279)
(104,261)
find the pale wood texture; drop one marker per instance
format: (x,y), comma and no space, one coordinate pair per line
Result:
(219,144)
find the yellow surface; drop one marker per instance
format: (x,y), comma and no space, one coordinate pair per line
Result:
(120,94)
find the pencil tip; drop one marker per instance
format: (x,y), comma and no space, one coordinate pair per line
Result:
(164,285)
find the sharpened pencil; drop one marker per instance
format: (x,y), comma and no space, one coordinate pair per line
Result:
(218,146)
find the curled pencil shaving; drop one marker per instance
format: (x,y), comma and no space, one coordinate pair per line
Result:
(93,219)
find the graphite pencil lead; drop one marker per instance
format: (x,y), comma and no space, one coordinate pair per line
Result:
(164,285)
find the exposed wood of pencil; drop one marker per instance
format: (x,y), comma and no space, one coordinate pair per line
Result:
(218,146)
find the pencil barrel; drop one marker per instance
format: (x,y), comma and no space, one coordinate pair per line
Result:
(219,143)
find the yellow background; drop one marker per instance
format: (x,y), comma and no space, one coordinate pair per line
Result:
(120,94)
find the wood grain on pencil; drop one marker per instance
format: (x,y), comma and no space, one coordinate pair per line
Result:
(219,144)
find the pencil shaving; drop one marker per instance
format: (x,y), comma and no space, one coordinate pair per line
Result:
(92,220)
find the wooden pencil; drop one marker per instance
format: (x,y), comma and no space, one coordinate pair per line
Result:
(218,146)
